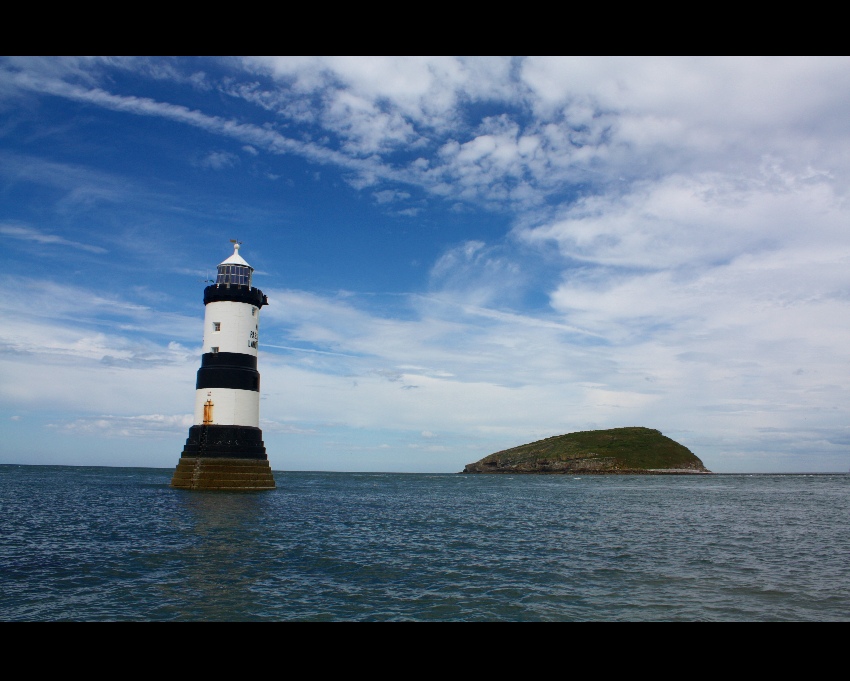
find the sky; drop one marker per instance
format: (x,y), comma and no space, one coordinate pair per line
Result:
(461,254)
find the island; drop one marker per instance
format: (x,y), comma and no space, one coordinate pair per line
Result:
(615,451)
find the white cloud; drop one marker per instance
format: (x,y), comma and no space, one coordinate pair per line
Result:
(586,121)
(675,243)
(143,426)
(218,160)
(30,234)
(64,346)
(478,274)
(86,311)
(390,196)
(424,90)
(78,185)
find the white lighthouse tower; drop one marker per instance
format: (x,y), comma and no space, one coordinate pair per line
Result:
(225,448)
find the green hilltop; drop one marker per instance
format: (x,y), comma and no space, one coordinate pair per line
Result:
(634,450)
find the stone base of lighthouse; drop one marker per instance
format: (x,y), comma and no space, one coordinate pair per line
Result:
(223,474)
(224,458)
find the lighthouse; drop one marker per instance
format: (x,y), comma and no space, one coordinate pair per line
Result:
(225,449)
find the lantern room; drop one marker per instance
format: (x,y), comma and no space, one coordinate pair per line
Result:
(234,271)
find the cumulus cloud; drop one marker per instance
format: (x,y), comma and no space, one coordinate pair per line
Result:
(591,122)
(684,247)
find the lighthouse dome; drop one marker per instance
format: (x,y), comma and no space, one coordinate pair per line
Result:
(234,270)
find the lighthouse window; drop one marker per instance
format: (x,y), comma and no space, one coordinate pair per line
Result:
(234,274)
(214,349)
(216,326)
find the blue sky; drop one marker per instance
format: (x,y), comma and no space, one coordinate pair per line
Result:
(461,254)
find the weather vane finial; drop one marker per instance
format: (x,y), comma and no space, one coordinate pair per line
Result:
(236,245)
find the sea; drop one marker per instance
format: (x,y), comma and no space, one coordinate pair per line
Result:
(93,544)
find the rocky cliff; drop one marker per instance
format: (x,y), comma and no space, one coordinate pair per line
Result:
(633,450)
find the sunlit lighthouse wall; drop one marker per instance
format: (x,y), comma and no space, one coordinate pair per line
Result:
(225,448)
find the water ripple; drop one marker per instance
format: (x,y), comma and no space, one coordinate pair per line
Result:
(111,544)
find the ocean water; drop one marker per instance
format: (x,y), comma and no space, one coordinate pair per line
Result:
(118,544)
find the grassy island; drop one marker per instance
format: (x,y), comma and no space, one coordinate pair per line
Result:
(633,450)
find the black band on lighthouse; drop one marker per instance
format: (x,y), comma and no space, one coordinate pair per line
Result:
(236,293)
(228,377)
(228,370)
(228,442)
(228,359)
